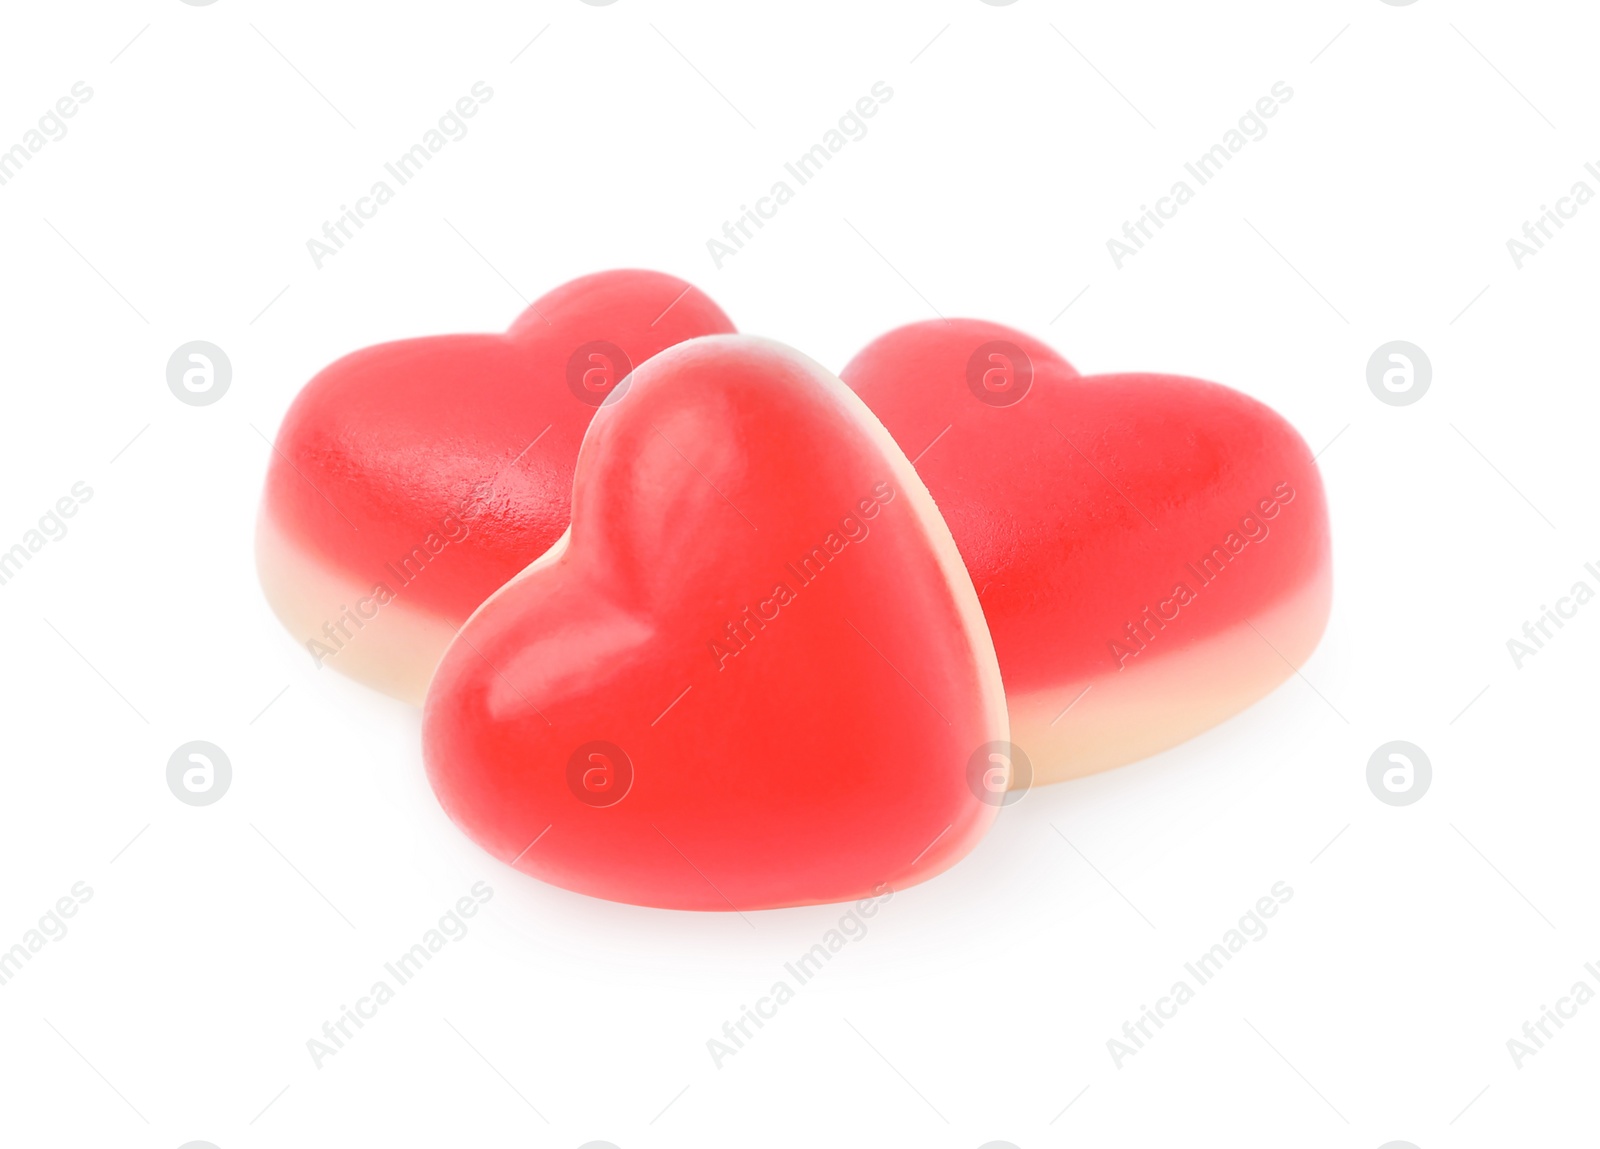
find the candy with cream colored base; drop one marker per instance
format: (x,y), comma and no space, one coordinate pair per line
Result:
(1151,551)
(753,674)
(410,480)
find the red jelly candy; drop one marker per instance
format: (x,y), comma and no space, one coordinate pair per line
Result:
(412,479)
(1151,551)
(753,674)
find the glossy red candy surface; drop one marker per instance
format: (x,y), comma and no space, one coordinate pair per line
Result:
(753,675)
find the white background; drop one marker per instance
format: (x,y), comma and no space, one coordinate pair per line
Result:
(219,939)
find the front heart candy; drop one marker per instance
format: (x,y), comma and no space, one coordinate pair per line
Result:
(1151,551)
(754,672)
(410,480)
